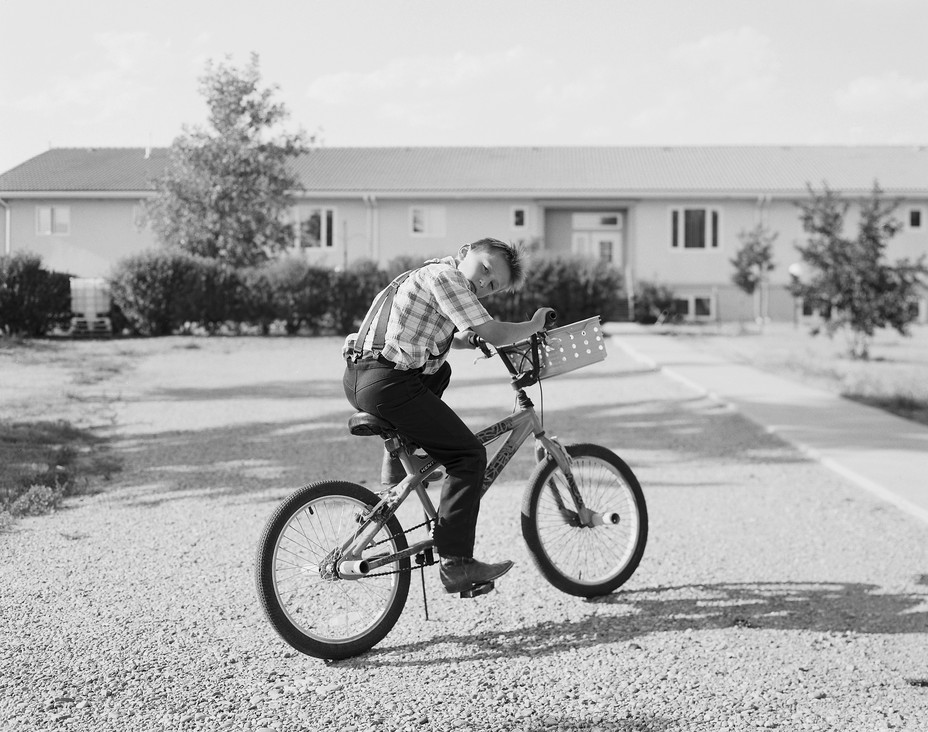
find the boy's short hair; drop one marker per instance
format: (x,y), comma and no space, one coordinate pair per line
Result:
(513,254)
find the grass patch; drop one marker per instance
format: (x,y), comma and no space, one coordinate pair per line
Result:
(41,463)
(894,379)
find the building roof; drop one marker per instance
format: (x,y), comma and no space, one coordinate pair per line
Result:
(530,171)
(88,170)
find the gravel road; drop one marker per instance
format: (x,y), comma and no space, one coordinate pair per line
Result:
(771,596)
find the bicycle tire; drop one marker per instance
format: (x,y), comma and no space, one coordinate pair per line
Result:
(315,612)
(585,561)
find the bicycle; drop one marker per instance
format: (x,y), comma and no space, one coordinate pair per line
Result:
(333,563)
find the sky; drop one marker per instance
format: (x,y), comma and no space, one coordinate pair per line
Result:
(111,73)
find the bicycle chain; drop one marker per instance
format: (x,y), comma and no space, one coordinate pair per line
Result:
(390,538)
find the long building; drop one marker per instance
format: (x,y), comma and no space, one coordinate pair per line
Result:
(667,215)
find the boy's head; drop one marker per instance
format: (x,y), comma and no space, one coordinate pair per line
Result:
(492,265)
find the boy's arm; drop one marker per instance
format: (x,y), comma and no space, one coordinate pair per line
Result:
(500,332)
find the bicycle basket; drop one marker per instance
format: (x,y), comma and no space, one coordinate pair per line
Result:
(571,347)
(563,349)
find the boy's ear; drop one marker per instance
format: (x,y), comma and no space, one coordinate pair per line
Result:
(462,252)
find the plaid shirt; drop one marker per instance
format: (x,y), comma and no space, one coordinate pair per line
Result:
(434,301)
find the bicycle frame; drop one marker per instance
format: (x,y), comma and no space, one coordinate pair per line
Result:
(421,470)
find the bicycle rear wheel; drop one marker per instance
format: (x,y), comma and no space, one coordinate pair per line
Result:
(585,560)
(307,603)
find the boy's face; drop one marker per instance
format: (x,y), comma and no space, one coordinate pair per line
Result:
(486,269)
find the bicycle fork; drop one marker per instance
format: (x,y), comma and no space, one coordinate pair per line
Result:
(580,515)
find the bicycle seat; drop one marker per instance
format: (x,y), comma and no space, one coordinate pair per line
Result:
(363,424)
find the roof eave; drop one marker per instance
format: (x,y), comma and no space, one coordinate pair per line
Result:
(75,194)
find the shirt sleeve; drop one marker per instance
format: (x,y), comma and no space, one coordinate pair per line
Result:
(455,299)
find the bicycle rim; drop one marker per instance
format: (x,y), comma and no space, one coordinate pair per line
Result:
(588,560)
(322,608)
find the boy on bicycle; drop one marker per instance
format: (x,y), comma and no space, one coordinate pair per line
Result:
(435,308)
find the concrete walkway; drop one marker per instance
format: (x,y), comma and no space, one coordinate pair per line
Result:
(877,451)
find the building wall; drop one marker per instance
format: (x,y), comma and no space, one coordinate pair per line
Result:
(101,232)
(382,229)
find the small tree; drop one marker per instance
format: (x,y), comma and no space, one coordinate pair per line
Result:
(851,276)
(226,191)
(752,263)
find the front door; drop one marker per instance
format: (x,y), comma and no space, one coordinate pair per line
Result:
(604,246)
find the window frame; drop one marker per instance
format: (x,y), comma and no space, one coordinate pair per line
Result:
(434,218)
(692,303)
(53,220)
(921,211)
(513,218)
(712,228)
(328,215)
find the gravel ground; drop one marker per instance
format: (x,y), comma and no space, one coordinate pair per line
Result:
(772,595)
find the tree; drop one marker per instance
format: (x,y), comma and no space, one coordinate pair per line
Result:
(752,263)
(851,277)
(226,190)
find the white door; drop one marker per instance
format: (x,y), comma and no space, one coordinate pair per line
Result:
(604,246)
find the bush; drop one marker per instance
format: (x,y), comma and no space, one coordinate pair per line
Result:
(290,290)
(353,290)
(652,299)
(33,300)
(160,291)
(576,287)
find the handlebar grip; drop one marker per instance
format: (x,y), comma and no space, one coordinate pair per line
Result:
(550,318)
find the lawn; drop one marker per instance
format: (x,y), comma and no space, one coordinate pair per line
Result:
(895,378)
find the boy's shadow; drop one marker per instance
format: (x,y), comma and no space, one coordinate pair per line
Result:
(817,606)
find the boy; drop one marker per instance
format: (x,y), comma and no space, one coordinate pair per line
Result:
(435,308)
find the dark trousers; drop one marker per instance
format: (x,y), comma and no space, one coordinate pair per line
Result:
(412,401)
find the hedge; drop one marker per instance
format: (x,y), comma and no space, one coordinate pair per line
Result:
(33,300)
(165,291)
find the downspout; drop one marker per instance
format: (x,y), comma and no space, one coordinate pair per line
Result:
(373,226)
(7,228)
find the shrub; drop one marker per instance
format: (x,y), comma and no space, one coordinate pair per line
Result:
(353,289)
(574,286)
(289,289)
(652,299)
(33,300)
(160,291)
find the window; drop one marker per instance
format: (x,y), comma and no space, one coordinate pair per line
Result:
(592,221)
(140,216)
(519,219)
(916,218)
(427,220)
(703,307)
(314,227)
(693,307)
(52,220)
(694,228)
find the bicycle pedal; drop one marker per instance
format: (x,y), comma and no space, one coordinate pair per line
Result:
(478,590)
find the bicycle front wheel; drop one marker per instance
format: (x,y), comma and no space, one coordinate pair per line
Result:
(575,557)
(308,604)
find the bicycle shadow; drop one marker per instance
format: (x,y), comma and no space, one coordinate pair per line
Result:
(826,607)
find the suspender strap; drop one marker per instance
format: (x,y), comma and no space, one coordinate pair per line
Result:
(383,304)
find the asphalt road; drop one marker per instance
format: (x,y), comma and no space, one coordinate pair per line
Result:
(772,595)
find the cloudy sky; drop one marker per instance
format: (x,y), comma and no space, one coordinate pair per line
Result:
(473,72)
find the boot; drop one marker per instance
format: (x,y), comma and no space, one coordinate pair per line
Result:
(459,574)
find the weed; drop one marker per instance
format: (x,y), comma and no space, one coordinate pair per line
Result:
(41,463)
